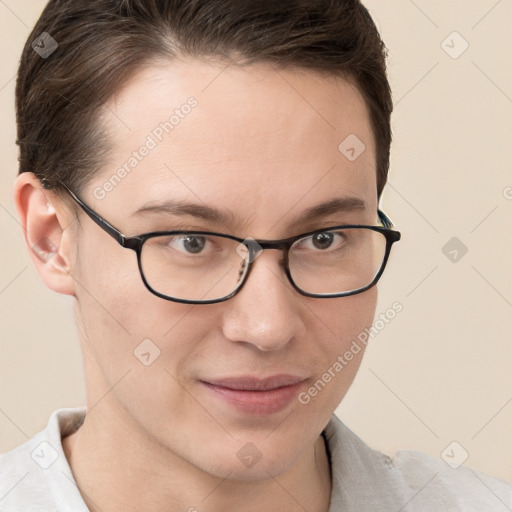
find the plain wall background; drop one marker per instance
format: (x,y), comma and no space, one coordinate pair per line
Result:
(440,371)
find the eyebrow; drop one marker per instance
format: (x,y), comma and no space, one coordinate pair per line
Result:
(179,208)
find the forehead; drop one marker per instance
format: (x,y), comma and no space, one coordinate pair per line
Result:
(256,138)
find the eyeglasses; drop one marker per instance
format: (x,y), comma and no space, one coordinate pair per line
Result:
(201,267)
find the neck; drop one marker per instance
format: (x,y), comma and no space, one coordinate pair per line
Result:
(116,467)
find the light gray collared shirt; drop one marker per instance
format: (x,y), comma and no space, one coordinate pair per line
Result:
(36,477)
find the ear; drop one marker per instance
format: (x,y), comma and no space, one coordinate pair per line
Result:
(44,219)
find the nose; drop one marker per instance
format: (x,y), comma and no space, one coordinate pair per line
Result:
(266,312)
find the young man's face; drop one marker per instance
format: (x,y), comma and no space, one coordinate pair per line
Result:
(261,146)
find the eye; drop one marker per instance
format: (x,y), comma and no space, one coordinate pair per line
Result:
(193,244)
(323,241)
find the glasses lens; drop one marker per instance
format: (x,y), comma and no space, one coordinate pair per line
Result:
(339,261)
(199,267)
(193,266)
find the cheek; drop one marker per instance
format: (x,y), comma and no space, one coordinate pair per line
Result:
(343,319)
(122,321)
(135,344)
(339,347)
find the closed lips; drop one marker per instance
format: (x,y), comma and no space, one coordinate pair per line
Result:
(255,384)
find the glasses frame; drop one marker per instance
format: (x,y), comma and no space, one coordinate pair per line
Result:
(136,243)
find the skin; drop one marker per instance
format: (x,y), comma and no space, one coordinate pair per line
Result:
(262,144)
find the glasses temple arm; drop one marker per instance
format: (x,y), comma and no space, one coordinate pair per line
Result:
(102,223)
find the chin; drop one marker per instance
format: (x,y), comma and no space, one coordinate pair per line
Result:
(260,471)
(247,462)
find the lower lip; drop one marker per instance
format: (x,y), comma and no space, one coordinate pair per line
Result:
(256,402)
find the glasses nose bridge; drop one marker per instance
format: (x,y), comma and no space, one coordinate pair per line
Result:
(279,245)
(256,247)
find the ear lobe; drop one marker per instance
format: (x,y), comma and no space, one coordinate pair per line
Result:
(48,242)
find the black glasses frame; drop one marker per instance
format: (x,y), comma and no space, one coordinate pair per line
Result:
(253,246)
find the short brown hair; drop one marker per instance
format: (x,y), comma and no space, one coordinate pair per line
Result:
(102,42)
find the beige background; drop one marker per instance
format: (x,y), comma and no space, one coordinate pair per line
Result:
(440,371)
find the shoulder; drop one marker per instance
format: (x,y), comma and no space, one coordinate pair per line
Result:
(22,481)
(34,475)
(468,489)
(410,481)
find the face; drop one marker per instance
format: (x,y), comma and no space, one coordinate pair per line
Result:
(259,146)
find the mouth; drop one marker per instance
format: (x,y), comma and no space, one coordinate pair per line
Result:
(251,395)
